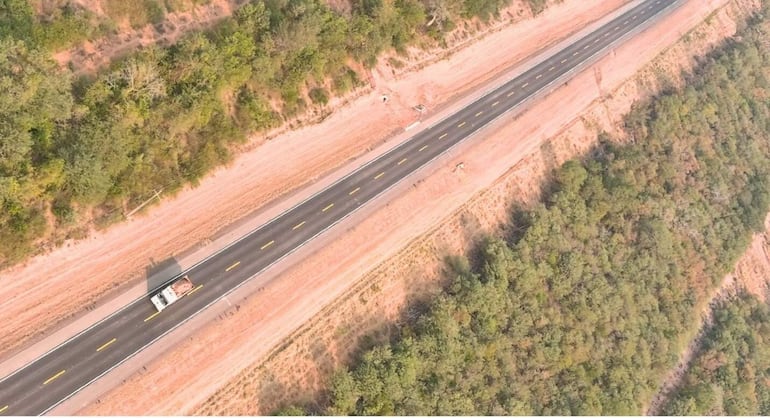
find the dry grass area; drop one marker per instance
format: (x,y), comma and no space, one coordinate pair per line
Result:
(753,269)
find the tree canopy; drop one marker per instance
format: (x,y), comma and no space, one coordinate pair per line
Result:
(731,373)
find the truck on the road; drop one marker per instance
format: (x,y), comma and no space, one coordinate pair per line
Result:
(172,293)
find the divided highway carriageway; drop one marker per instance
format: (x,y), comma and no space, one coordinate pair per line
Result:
(39,386)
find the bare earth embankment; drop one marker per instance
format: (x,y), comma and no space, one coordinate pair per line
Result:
(49,290)
(473,201)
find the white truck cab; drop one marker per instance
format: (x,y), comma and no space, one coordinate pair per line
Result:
(172,293)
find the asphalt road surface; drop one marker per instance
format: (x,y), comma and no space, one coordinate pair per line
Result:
(57,375)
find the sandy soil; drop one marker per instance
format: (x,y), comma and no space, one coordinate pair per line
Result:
(474,200)
(70,279)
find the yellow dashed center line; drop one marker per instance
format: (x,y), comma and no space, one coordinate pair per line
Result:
(151,316)
(633,18)
(3,409)
(379,175)
(617,27)
(606,34)
(510,94)
(538,77)
(105,345)
(352,192)
(552,68)
(479,114)
(596,40)
(196,289)
(495,104)
(564,60)
(423,147)
(233,266)
(267,245)
(299,225)
(459,126)
(52,378)
(586,47)
(625,23)
(574,54)
(328,207)
(443,136)
(402,161)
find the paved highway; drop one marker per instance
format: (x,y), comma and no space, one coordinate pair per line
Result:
(57,375)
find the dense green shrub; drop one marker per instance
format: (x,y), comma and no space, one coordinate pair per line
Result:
(319,96)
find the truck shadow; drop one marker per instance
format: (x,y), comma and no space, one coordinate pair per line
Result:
(158,273)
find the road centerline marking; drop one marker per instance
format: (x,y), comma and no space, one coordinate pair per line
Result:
(402,161)
(495,103)
(479,114)
(105,345)
(151,316)
(54,377)
(233,266)
(552,68)
(195,290)
(267,245)
(379,175)
(525,84)
(352,192)
(538,77)
(459,126)
(442,136)
(328,207)
(574,54)
(423,147)
(564,60)
(3,409)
